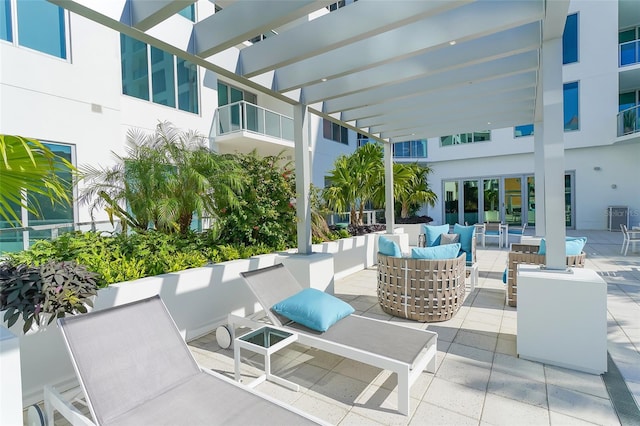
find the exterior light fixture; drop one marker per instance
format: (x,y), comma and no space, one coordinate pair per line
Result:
(452,42)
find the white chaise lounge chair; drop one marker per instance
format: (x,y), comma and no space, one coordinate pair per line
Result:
(402,350)
(135,369)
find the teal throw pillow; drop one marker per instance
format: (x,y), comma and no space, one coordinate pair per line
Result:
(466,237)
(446,251)
(573,246)
(433,233)
(314,309)
(388,247)
(504,276)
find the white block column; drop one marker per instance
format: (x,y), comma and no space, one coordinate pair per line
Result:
(11,384)
(303,176)
(553,140)
(538,154)
(388,187)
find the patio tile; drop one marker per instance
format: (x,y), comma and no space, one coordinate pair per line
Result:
(464,373)
(357,370)
(591,384)
(581,405)
(429,414)
(472,355)
(354,419)
(518,388)
(455,397)
(381,405)
(476,340)
(506,344)
(558,419)
(519,367)
(338,388)
(504,411)
(320,408)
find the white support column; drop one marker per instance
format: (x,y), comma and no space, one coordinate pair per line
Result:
(388,186)
(303,176)
(11,385)
(538,144)
(553,140)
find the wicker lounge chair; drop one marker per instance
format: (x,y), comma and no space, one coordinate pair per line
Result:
(420,289)
(403,350)
(135,369)
(528,255)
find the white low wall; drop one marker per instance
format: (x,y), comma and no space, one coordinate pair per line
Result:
(198,299)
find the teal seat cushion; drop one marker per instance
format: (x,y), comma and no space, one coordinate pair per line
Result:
(446,251)
(314,309)
(433,233)
(466,238)
(504,276)
(388,247)
(573,246)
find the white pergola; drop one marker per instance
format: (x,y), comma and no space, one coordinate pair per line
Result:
(392,70)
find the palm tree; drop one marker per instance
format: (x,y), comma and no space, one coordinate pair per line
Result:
(410,186)
(354,180)
(29,169)
(166,177)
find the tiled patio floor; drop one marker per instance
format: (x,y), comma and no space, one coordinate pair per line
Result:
(479,379)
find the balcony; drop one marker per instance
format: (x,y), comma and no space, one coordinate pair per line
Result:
(628,121)
(629,53)
(242,126)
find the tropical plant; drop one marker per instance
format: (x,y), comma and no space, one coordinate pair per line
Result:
(165,178)
(43,293)
(354,180)
(410,187)
(29,171)
(265,213)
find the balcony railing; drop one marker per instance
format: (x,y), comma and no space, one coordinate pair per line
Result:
(629,53)
(243,116)
(629,121)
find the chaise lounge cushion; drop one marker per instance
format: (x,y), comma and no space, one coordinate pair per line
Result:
(433,233)
(314,309)
(446,251)
(388,247)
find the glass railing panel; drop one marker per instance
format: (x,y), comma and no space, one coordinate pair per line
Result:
(224,120)
(272,124)
(629,53)
(287,128)
(252,112)
(629,121)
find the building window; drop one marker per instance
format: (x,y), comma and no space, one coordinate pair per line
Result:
(570,40)
(465,138)
(6,30)
(40,26)
(524,130)
(410,149)
(171,77)
(629,45)
(335,132)
(571,104)
(189,12)
(229,94)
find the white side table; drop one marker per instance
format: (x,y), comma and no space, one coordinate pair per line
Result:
(266,341)
(473,274)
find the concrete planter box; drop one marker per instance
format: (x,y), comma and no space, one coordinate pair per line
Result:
(199,300)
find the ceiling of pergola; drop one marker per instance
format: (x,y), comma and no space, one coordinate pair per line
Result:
(400,70)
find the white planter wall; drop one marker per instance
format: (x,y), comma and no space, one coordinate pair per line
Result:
(199,300)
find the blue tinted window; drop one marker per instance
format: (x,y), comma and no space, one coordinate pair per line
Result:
(525,130)
(135,71)
(570,40)
(162,78)
(189,12)
(41,27)
(187,86)
(571,110)
(5,20)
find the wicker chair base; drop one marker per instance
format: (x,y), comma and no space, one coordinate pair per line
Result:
(421,290)
(522,254)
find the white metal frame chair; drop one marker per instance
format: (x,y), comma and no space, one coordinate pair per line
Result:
(134,368)
(403,350)
(630,238)
(516,232)
(493,230)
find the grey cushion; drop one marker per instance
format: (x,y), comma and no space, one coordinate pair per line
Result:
(449,239)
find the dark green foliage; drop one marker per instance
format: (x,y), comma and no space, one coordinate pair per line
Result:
(46,292)
(265,214)
(122,257)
